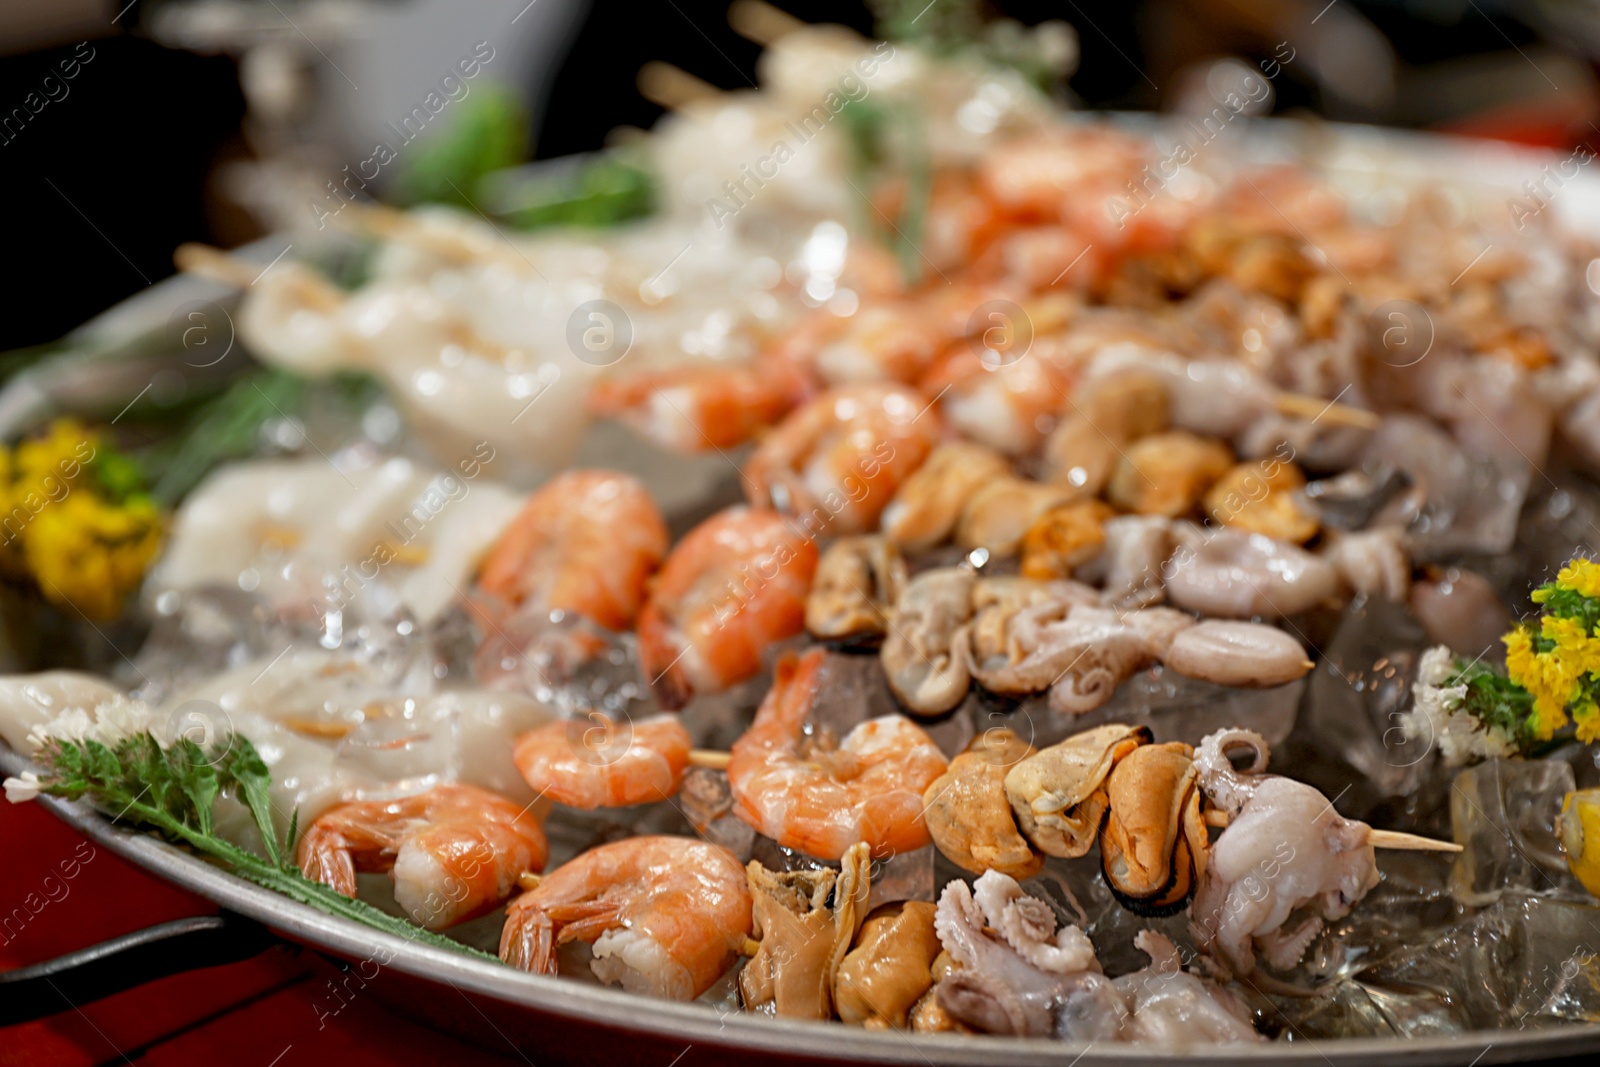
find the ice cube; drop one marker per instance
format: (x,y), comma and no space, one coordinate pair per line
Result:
(1348,734)
(707,802)
(1342,1009)
(1560,521)
(565,660)
(903,876)
(1524,961)
(1503,813)
(1175,708)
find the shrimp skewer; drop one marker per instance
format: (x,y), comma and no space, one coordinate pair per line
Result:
(597,763)
(586,543)
(807,794)
(734,585)
(837,461)
(666,915)
(454,852)
(696,409)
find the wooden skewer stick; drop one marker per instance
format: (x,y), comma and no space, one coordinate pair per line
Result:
(759,21)
(1409,842)
(214,263)
(1314,407)
(705,757)
(529,880)
(220,266)
(1379,838)
(625,136)
(672,87)
(394,225)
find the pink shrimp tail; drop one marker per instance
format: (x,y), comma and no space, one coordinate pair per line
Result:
(528,940)
(325,857)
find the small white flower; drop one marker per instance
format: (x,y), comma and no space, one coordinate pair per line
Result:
(1438,663)
(24,788)
(119,719)
(111,722)
(1435,716)
(70,724)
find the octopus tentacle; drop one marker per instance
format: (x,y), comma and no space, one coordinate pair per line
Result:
(1223,785)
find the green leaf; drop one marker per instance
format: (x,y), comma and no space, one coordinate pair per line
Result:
(600,193)
(486,132)
(172,791)
(227,427)
(291,840)
(944,27)
(243,768)
(118,476)
(1496,701)
(197,778)
(884,140)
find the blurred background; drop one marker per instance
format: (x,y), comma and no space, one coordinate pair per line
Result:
(127,128)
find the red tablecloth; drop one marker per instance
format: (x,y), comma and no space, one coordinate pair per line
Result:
(72,894)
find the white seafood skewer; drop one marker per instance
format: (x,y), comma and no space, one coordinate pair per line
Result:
(761,22)
(220,266)
(1393,839)
(673,87)
(455,247)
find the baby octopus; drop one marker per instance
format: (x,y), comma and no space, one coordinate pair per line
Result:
(1015,969)
(1285,849)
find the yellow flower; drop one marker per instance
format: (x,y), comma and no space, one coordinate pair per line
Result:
(89,555)
(1587,716)
(50,464)
(1581,576)
(1546,676)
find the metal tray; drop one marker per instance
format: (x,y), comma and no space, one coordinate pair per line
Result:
(551,1021)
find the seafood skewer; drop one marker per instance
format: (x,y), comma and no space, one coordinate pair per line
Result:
(734,585)
(454,852)
(666,915)
(1392,839)
(822,795)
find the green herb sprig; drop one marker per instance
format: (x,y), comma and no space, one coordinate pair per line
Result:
(173,790)
(1495,700)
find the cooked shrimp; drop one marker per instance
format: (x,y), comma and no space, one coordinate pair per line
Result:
(808,794)
(586,542)
(886,341)
(1035,176)
(666,915)
(734,585)
(596,763)
(697,408)
(1089,179)
(454,852)
(1009,407)
(837,461)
